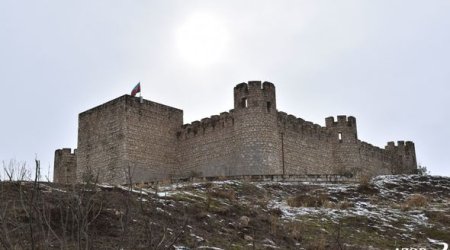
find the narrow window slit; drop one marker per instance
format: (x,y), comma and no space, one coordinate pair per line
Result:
(244,103)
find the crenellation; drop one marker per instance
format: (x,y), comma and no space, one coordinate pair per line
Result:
(292,119)
(254,85)
(206,122)
(212,124)
(341,119)
(351,121)
(299,125)
(291,122)
(241,87)
(390,145)
(307,127)
(150,141)
(282,115)
(329,121)
(268,86)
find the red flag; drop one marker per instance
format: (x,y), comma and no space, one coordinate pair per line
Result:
(136,89)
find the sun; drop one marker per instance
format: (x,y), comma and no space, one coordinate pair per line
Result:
(202,39)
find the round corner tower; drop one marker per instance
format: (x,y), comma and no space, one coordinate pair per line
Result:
(258,140)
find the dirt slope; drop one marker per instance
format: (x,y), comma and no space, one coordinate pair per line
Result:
(385,213)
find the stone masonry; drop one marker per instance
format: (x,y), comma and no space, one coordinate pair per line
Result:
(65,166)
(131,138)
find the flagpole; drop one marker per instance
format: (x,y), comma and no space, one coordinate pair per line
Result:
(140,92)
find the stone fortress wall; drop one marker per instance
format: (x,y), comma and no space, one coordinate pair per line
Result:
(129,136)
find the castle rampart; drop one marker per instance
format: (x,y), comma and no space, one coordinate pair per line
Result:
(130,136)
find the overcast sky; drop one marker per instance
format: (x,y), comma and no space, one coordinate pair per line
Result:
(385,62)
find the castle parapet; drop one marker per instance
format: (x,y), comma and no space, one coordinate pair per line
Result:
(344,129)
(342,120)
(405,154)
(206,125)
(255,94)
(372,150)
(401,145)
(299,125)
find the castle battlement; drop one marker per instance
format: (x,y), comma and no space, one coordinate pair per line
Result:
(342,120)
(150,141)
(290,123)
(207,125)
(131,101)
(371,149)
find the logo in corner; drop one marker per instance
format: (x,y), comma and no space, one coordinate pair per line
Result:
(437,242)
(443,244)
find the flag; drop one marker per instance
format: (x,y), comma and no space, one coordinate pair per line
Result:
(136,89)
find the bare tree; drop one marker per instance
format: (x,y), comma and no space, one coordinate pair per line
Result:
(16,170)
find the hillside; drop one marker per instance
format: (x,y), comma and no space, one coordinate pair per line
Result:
(385,213)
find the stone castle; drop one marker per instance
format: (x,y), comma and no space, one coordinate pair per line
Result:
(147,140)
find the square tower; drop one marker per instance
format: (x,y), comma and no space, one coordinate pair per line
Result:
(127,136)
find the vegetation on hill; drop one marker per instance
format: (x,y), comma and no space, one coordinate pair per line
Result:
(385,213)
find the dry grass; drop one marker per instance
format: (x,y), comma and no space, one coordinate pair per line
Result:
(250,189)
(295,230)
(274,221)
(415,201)
(320,243)
(439,217)
(229,194)
(365,186)
(345,204)
(228,216)
(364,182)
(342,205)
(306,200)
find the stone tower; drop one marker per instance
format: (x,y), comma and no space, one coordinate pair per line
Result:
(404,155)
(344,142)
(65,166)
(125,137)
(258,143)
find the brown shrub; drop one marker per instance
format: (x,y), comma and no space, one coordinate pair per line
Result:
(306,200)
(274,221)
(250,189)
(320,243)
(438,216)
(229,194)
(329,204)
(364,181)
(208,185)
(365,186)
(337,205)
(415,201)
(275,212)
(296,230)
(345,204)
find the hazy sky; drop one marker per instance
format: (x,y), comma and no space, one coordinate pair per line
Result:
(385,62)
